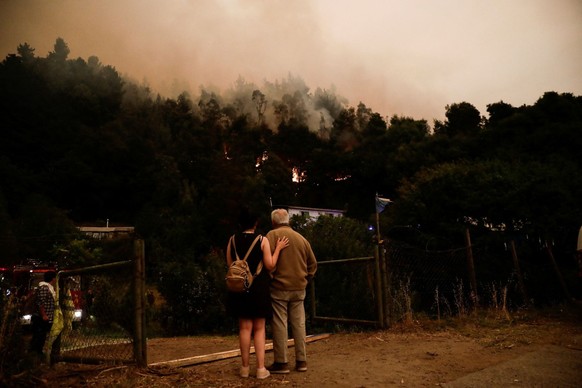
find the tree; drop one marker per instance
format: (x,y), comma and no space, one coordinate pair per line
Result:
(26,52)
(462,119)
(374,128)
(557,107)
(498,112)
(291,107)
(210,109)
(329,101)
(61,51)
(406,130)
(260,105)
(336,237)
(490,195)
(363,116)
(277,176)
(41,225)
(344,133)
(82,145)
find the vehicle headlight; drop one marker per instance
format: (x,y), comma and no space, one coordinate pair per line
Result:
(25,319)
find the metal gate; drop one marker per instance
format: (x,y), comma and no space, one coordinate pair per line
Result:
(358,281)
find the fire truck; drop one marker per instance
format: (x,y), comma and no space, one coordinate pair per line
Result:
(5,281)
(25,280)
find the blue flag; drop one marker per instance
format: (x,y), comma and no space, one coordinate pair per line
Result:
(381,203)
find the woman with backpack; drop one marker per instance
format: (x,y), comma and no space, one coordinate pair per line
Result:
(252,307)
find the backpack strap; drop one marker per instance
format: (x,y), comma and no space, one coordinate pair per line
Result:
(260,266)
(231,243)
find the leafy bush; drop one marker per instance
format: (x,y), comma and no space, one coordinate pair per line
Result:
(194,293)
(12,350)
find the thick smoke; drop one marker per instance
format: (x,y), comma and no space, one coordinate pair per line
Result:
(408,58)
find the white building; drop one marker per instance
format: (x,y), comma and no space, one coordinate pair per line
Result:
(107,232)
(313,212)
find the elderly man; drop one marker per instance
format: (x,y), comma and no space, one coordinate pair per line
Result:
(296,266)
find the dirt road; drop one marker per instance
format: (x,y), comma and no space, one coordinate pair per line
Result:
(534,353)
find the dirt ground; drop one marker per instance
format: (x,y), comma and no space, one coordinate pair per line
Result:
(540,351)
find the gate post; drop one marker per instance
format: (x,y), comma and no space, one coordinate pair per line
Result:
(387,298)
(518,273)
(471,268)
(379,299)
(139,339)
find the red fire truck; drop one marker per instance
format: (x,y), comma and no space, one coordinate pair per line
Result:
(5,281)
(25,280)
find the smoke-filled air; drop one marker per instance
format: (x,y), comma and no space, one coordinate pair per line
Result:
(408,58)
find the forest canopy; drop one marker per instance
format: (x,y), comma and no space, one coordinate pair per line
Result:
(80,144)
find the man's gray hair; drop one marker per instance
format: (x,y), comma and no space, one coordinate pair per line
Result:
(280,217)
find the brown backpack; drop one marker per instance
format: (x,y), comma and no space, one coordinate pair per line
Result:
(239,277)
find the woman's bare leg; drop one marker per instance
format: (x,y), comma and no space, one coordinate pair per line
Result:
(259,339)
(245,327)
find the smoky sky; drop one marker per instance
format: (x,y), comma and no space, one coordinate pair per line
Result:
(409,58)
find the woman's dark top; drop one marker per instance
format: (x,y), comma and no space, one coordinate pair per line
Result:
(257,302)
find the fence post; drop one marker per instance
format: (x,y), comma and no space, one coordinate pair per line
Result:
(139,340)
(471,267)
(386,284)
(518,272)
(557,271)
(379,299)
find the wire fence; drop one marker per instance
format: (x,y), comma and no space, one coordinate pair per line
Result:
(100,316)
(104,306)
(439,283)
(416,277)
(112,325)
(347,291)
(98,306)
